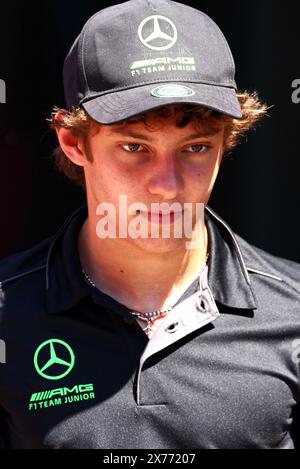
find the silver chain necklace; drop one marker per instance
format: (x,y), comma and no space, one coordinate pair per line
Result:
(150,316)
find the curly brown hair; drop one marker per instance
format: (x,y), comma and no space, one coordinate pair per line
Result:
(82,125)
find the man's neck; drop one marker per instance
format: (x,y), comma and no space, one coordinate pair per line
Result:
(140,280)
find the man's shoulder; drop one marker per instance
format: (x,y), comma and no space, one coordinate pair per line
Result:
(34,259)
(263,263)
(23,283)
(256,261)
(26,262)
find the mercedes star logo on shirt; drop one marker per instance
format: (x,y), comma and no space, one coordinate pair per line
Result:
(54,359)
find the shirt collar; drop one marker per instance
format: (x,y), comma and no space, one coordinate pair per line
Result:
(65,286)
(228,276)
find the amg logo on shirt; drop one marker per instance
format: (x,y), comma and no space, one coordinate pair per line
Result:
(59,396)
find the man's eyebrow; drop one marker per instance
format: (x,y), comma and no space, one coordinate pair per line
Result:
(127,133)
(208,133)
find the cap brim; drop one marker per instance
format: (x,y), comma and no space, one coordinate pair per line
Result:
(115,107)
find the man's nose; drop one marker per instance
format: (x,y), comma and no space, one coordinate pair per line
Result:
(166,177)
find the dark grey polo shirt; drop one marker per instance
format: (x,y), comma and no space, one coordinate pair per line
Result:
(81,373)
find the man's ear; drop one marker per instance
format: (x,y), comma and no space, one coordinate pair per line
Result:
(71,145)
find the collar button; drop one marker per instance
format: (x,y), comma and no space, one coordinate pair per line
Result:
(172,328)
(202,305)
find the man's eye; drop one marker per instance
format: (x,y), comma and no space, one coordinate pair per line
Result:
(197,148)
(132,147)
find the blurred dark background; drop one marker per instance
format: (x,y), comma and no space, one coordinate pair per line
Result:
(258,189)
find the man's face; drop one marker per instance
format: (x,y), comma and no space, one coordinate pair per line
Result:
(157,163)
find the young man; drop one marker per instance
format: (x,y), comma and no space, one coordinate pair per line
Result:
(116,335)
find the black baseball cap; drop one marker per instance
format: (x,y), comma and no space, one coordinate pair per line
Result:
(143,54)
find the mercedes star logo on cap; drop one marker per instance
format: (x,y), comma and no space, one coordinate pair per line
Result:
(160,27)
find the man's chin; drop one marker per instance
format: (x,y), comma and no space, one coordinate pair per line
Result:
(159,246)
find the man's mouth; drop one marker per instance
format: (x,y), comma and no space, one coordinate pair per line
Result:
(161,216)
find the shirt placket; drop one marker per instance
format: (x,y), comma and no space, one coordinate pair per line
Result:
(188,316)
